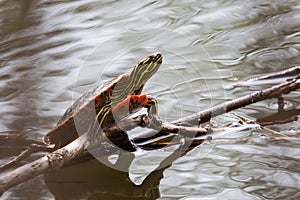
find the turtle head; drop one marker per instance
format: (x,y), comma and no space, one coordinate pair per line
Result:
(133,83)
(143,71)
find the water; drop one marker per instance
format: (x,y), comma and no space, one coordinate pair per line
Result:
(53,51)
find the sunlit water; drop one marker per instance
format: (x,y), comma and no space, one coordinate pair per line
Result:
(53,51)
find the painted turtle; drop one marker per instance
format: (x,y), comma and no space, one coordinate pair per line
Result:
(106,104)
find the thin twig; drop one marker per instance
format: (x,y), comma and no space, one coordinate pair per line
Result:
(22,156)
(246,120)
(292,73)
(249,139)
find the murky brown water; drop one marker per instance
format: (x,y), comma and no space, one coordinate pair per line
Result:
(52,51)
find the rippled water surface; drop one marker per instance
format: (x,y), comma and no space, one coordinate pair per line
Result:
(53,51)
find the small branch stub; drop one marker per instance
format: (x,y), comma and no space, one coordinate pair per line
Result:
(56,158)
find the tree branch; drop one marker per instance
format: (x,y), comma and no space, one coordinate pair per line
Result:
(204,116)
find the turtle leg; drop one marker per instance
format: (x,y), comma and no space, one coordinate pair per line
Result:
(133,103)
(152,110)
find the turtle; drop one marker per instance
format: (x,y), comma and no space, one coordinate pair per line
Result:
(106,104)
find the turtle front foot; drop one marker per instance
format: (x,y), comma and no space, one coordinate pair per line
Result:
(152,109)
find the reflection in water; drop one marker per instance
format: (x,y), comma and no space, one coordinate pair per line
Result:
(93,180)
(49,49)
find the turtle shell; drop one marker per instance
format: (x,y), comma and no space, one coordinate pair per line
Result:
(78,116)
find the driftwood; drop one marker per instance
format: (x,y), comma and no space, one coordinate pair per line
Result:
(60,157)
